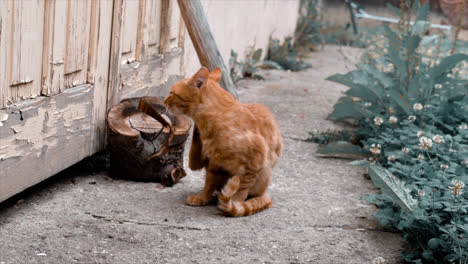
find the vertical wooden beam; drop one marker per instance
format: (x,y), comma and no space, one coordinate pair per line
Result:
(203,41)
(100,40)
(181,38)
(5,9)
(93,39)
(164,37)
(114,66)
(47,45)
(140,45)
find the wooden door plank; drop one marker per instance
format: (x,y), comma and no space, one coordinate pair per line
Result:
(164,41)
(5,11)
(57,50)
(76,42)
(93,40)
(153,27)
(101,38)
(141,28)
(115,55)
(174,25)
(129,30)
(33,137)
(181,38)
(47,45)
(25,54)
(170,26)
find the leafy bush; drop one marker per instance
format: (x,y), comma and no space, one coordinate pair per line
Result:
(409,98)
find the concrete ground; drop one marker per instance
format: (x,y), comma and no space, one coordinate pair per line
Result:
(317,217)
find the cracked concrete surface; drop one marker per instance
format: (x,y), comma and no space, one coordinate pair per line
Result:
(317,217)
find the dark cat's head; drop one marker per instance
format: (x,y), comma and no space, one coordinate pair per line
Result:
(185,95)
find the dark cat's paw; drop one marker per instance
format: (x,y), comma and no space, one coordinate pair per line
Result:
(197,200)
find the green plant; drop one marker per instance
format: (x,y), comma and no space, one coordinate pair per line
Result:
(326,137)
(410,101)
(310,27)
(280,57)
(286,55)
(247,68)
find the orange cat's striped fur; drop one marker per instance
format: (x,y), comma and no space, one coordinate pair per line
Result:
(238,144)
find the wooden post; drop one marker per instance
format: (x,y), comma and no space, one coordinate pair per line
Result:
(203,41)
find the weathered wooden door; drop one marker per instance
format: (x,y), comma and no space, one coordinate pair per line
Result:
(63,63)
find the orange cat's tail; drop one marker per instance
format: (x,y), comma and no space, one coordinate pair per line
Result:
(237,208)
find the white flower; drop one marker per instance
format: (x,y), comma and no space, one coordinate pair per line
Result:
(452,150)
(367,104)
(425,143)
(405,151)
(421,193)
(457,188)
(392,119)
(375,149)
(379,260)
(391,158)
(391,111)
(463,126)
(438,139)
(420,134)
(444,166)
(420,157)
(427,106)
(417,106)
(378,120)
(438,86)
(412,118)
(465,162)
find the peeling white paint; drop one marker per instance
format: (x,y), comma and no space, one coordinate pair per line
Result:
(3,115)
(46,127)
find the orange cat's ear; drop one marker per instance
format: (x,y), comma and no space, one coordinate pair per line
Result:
(215,75)
(200,78)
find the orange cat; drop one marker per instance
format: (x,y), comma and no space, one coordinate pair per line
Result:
(238,144)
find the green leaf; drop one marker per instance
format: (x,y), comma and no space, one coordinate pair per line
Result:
(447,64)
(356,90)
(361,163)
(420,27)
(233,54)
(340,147)
(394,9)
(380,76)
(422,11)
(269,64)
(345,108)
(392,187)
(400,100)
(427,254)
(257,55)
(433,243)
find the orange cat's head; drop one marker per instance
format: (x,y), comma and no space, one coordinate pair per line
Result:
(185,95)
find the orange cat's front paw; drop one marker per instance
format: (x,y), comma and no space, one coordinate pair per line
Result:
(196,200)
